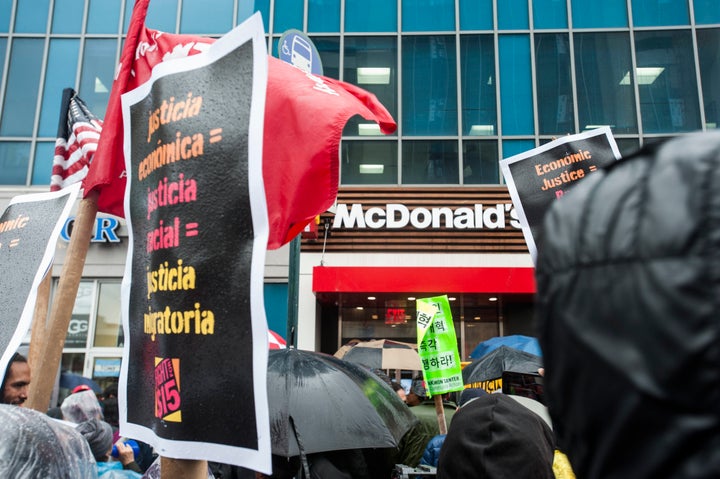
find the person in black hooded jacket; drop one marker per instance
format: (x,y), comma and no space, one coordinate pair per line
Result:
(628,305)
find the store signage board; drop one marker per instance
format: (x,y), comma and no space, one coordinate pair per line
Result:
(195,358)
(437,345)
(29,229)
(539,176)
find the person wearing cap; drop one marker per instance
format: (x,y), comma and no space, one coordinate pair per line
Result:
(98,434)
(628,309)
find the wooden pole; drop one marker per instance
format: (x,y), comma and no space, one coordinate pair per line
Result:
(39,324)
(182,468)
(45,371)
(440,411)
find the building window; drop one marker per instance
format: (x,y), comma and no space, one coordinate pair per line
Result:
(709,55)
(604,96)
(666,81)
(479,99)
(369,162)
(554,84)
(427,162)
(429,85)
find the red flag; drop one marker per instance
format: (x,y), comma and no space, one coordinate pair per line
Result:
(304,118)
(76,143)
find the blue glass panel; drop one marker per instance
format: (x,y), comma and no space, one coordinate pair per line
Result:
(60,74)
(371,16)
(706,11)
(515,85)
(128,15)
(480,162)
(329,50)
(428,15)
(515,147)
(323,15)
(709,59)
(380,54)
(3,49)
(369,162)
(68,16)
(513,14)
(5,11)
(42,165)
(22,87)
(627,146)
(476,15)
(594,14)
(550,14)
(275,45)
(477,68)
(162,15)
(14,162)
(554,84)
(194,17)
(666,81)
(429,85)
(247,8)
(104,16)
(31,16)
(276,307)
(288,14)
(650,13)
(430,162)
(602,61)
(98,68)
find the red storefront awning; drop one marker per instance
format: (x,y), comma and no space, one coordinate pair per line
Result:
(393,279)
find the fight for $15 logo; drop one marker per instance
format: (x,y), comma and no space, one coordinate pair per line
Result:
(167,389)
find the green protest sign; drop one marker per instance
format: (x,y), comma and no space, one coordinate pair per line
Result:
(437,346)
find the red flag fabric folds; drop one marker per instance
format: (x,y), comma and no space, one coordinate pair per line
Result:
(304,118)
(76,143)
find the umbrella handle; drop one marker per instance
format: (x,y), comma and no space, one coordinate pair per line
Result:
(303,458)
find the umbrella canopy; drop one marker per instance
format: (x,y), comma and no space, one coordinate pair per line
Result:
(321,403)
(486,372)
(382,354)
(528,344)
(70,381)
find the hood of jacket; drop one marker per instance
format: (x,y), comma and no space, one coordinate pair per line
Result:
(628,305)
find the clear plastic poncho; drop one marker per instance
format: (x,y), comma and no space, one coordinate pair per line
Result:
(33,445)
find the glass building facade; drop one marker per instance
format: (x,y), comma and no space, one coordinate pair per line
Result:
(468,81)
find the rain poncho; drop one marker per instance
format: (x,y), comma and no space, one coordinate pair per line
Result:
(628,306)
(80,407)
(33,445)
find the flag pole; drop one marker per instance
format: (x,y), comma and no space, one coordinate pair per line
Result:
(45,370)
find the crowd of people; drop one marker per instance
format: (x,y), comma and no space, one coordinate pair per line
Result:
(628,277)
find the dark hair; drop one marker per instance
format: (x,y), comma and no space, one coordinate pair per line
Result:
(110,411)
(16,358)
(397,386)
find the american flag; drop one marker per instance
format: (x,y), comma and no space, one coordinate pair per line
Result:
(77,139)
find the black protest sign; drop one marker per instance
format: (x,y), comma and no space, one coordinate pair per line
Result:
(29,229)
(539,176)
(195,362)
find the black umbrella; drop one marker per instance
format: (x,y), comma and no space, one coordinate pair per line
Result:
(70,381)
(320,403)
(486,372)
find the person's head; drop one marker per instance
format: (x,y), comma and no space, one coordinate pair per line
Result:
(628,282)
(99,436)
(400,391)
(110,411)
(111,391)
(494,436)
(469,394)
(16,381)
(417,393)
(81,406)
